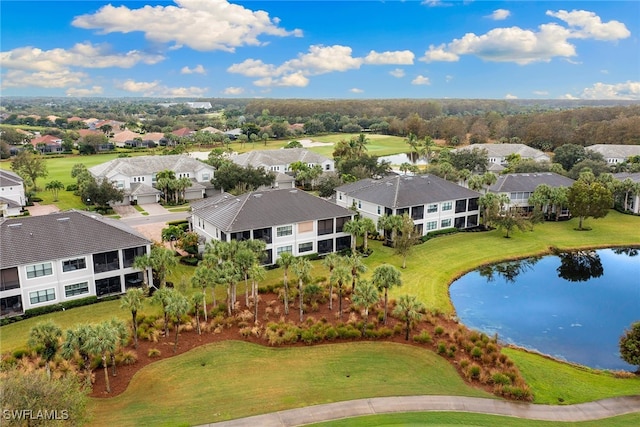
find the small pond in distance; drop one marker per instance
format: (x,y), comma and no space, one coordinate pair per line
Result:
(573,306)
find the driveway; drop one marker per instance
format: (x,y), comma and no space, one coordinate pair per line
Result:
(126,211)
(38,209)
(155,209)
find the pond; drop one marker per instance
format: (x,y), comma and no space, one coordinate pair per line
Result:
(573,306)
(398,159)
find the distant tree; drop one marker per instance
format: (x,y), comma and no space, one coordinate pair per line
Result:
(510,219)
(293,144)
(408,309)
(230,176)
(54,186)
(391,224)
(568,155)
(30,166)
(99,192)
(475,160)
(589,200)
(327,183)
(406,238)
(630,345)
(171,234)
(331,261)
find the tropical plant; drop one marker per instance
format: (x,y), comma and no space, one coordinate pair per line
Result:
(302,267)
(630,345)
(356,266)
(196,300)
(257,274)
(133,301)
(54,186)
(285,261)
(365,296)
(390,223)
(177,307)
(331,261)
(408,309)
(163,297)
(75,342)
(385,277)
(103,341)
(406,238)
(203,277)
(340,275)
(352,227)
(589,200)
(44,338)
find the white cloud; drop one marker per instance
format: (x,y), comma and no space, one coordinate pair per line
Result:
(155,89)
(448,78)
(434,3)
(500,14)
(604,71)
(203,25)
(44,79)
(85,55)
(509,96)
(397,73)
(421,80)
(198,69)
(628,90)
(523,46)
(399,57)
(568,96)
(540,92)
(318,60)
(589,25)
(89,91)
(356,90)
(233,91)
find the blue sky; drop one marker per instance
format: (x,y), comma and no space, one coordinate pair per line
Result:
(321,49)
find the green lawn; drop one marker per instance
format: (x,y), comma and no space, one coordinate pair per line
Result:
(441,419)
(235,379)
(379,145)
(560,383)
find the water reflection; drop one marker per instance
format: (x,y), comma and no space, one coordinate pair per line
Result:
(508,270)
(579,266)
(398,159)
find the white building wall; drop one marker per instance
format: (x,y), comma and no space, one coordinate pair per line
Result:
(15,193)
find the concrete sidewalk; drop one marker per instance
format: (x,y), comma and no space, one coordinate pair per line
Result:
(385,405)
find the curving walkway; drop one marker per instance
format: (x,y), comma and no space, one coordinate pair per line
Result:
(384,405)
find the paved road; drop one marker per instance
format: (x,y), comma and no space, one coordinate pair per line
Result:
(385,405)
(150,219)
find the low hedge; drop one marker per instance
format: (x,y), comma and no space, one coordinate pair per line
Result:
(33,312)
(436,233)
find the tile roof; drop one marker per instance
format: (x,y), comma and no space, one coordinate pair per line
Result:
(528,181)
(8,178)
(259,209)
(210,200)
(635,176)
(141,189)
(60,235)
(269,158)
(148,165)
(615,150)
(10,203)
(403,191)
(503,150)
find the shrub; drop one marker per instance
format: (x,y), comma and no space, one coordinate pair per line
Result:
(154,352)
(385,332)
(499,378)
(72,187)
(464,363)
(422,338)
(129,357)
(476,353)
(517,393)
(439,330)
(442,347)
(474,372)
(20,353)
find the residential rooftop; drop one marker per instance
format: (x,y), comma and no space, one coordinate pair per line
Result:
(528,181)
(148,165)
(8,178)
(615,150)
(267,158)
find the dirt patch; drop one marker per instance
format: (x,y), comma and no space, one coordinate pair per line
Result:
(37,209)
(126,211)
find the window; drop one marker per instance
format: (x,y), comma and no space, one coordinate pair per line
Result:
(402,211)
(418,229)
(459,222)
(206,177)
(327,167)
(305,247)
(445,223)
(267,257)
(472,220)
(378,210)
(76,289)
(340,223)
(473,204)
(9,279)
(446,206)
(359,204)
(283,249)
(325,246)
(461,205)
(133,280)
(262,234)
(432,225)
(325,226)
(417,212)
(105,261)
(343,243)
(38,270)
(285,230)
(433,208)
(110,285)
(42,296)
(11,305)
(74,264)
(129,255)
(339,196)
(241,235)
(388,211)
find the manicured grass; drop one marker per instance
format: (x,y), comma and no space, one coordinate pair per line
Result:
(464,419)
(139,208)
(379,145)
(235,379)
(559,383)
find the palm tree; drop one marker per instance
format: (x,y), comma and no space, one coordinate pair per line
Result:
(355,264)
(331,261)
(143,262)
(76,342)
(45,339)
(163,296)
(352,227)
(365,296)
(340,276)
(285,261)
(122,337)
(103,341)
(408,309)
(464,175)
(162,260)
(204,276)
(405,167)
(257,274)
(489,178)
(227,274)
(413,142)
(360,143)
(427,148)
(391,223)
(54,186)
(177,307)
(245,258)
(406,238)
(302,267)
(385,277)
(196,302)
(164,181)
(132,300)
(181,185)
(367,226)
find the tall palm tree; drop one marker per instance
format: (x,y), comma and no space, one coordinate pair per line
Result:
(133,301)
(143,262)
(356,266)
(257,274)
(178,306)
(245,258)
(408,309)
(163,261)
(413,142)
(331,261)
(203,277)
(122,337)
(385,277)
(54,186)
(367,226)
(228,275)
(353,227)
(163,296)
(75,342)
(365,296)
(302,267)
(340,276)
(285,261)
(103,341)
(360,143)
(427,148)
(45,339)
(406,239)
(197,302)
(391,223)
